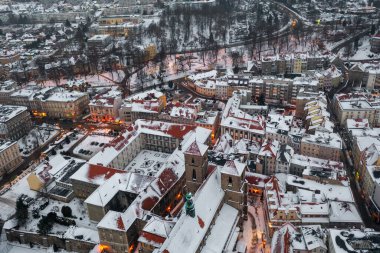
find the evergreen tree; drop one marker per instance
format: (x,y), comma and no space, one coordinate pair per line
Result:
(66,211)
(21,211)
(67,23)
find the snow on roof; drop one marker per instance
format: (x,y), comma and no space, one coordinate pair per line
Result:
(204,75)
(47,169)
(126,182)
(287,239)
(313,236)
(269,148)
(95,174)
(146,95)
(234,167)
(227,145)
(66,96)
(277,122)
(328,139)
(225,222)
(344,212)
(308,161)
(7,112)
(342,240)
(256,179)
(196,149)
(357,123)
(4,144)
(183,112)
(189,232)
(233,117)
(330,191)
(169,174)
(156,231)
(86,234)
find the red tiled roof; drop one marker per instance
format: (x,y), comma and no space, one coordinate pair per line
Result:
(193,149)
(178,131)
(201,222)
(149,203)
(153,237)
(120,223)
(95,171)
(166,180)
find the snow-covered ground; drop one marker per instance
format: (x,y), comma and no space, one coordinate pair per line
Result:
(103,79)
(37,137)
(147,162)
(6,247)
(364,51)
(253,230)
(18,188)
(116,76)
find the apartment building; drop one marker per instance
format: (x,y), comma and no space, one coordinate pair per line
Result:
(355,106)
(52,102)
(15,122)
(105,107)
(10,157)
(322,145)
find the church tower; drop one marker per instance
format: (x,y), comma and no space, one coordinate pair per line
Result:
(196,163)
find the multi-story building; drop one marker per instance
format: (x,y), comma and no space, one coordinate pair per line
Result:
(99,44)
(128,204)
(10,157)
(365,75)
(303,97)
(52,102)
(277,127)
(375,43)
(15,122)
(322,145)
(6,89)
(105,107)
(266,162)
(354,240)
(291,64)
(351,106)
(144,105)
(305,239)
(301,201)
(240,124)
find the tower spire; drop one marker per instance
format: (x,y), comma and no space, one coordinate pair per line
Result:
(189,205)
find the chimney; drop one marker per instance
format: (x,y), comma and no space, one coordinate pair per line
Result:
(180,146)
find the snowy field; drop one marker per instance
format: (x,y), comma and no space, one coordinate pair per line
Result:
(364,51)
(37,137)
(103,79)
(20,187)
(147,162)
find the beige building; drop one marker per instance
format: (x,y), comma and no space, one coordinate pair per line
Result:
(105,107)
(52,102)
(322,145)
(354,109)
(10,157)
(15,122)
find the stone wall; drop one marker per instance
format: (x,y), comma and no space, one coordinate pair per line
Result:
(49,241)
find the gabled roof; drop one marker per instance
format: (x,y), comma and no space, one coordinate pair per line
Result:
(233,167)
(196,149)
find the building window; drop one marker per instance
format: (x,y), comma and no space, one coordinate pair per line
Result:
(192,160)
(229,181)
(194,175)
